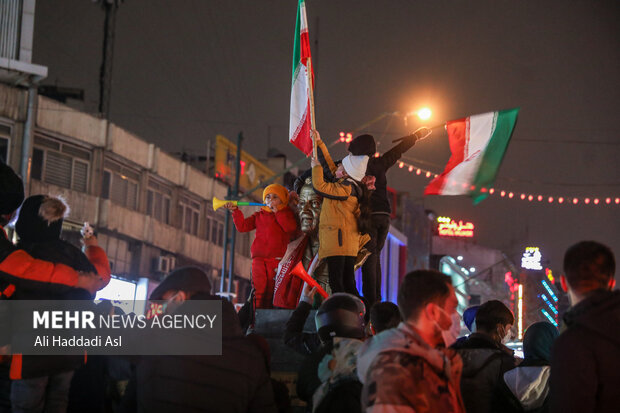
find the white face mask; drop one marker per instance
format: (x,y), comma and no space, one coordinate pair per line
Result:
(507,336)
(451,334)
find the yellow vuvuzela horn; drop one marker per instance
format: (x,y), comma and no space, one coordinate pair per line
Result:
(218,203)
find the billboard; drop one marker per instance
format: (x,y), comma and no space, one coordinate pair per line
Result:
(253,172)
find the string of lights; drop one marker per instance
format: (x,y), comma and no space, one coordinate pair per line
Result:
(504,193)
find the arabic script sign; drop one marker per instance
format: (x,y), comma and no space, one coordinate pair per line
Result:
(449,228)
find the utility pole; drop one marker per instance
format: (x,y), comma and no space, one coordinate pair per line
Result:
(231,270)
(105,73)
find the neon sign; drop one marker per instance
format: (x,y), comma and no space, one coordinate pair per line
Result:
(531,259)
(551,306)
(549,274)
(544,283)
(520,308)
(551,320)
(450,228)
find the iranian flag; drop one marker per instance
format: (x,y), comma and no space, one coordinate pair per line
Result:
(478,144)
(301,90)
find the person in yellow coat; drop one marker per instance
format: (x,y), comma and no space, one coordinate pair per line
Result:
(339,235)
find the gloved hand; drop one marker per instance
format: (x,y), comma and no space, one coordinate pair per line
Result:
(419,134)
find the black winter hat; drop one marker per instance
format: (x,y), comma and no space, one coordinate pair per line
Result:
(40,219)
(363,145)
(11,190)
(189,279)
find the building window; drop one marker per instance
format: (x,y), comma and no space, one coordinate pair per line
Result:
(158,201)
(120,185)
(60,164)
(189,214)
(5,136)
(216,233)
(118,252)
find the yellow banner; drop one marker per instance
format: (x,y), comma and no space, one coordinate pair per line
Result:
(253,172)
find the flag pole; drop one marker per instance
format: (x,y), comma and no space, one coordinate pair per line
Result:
(311,98)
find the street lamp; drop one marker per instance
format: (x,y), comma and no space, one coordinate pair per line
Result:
(424,113)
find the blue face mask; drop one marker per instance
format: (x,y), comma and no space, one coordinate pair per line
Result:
(323,371)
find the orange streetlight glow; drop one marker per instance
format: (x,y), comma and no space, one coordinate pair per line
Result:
(424,113)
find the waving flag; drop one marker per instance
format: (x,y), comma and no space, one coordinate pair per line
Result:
(301,90)
(478,144)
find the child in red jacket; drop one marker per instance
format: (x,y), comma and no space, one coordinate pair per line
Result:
(274,225)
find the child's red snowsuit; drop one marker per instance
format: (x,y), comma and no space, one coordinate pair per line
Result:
(273,233)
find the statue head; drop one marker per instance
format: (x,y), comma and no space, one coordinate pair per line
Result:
(309,208)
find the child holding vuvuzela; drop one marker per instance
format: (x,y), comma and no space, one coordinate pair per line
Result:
(274,223)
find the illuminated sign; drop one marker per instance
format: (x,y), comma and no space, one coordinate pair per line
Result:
(450,228)
(531,259)
(551,320)
(548,288)
(253,172)
(551,306)
(120,292)
(520,315)
(549,275)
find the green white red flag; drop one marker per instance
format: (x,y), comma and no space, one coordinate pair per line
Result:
(478,144)
(300,122)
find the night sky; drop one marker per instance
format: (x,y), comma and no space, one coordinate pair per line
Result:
(187,70)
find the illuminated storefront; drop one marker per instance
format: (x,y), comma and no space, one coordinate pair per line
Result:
(393,265)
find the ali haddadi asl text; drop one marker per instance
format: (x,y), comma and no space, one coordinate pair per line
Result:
(96,341)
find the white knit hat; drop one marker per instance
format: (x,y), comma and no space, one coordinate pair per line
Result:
(355,166)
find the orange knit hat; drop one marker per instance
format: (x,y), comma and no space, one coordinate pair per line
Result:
(279,190)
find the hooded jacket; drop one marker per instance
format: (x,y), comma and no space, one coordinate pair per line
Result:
(529,387)
(484,365)
(57,251)
(338,231)
(402,372)
(586,357)
(526,387)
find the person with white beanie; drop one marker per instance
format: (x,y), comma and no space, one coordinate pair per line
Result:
(339,233)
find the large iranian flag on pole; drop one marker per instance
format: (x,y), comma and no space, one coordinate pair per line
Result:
(478,144)
(301,121)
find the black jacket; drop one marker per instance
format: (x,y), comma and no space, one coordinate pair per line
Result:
(378,167)
(346,397)
(236,381)
(62,252)
(585,362)
(484,365)
(294,336)
(308,344)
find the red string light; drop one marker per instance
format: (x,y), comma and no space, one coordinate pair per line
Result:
(503,193)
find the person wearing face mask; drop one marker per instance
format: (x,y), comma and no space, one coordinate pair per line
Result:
(486,358)
(408,368)
(585,366)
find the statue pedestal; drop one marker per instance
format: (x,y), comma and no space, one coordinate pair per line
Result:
(285,362)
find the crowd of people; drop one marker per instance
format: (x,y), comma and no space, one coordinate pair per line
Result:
(366,355)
